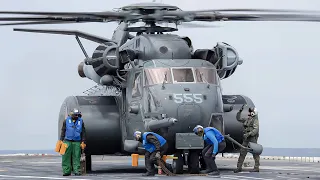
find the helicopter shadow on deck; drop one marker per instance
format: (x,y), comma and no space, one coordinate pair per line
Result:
(139,170)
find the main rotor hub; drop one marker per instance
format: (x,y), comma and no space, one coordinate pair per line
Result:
(149,6)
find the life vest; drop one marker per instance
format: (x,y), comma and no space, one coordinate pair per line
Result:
(73,129)
(216,133)
(149,146)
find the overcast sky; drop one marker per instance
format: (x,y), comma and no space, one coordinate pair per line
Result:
(279,73)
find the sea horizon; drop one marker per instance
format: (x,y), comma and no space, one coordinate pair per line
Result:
(267,151)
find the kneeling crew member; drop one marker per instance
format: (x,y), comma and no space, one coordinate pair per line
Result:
(72,133)
(215,143)
(250,134)
(156,146)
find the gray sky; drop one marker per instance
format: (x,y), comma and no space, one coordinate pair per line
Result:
(279,71)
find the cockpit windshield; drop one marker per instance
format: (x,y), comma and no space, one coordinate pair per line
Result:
(206,75)
(180,75)
(157,76)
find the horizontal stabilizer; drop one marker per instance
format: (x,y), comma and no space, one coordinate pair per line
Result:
(87,36)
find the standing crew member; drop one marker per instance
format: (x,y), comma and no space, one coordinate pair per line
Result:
(251,134)
(215,143)
(156,146)
(72,133)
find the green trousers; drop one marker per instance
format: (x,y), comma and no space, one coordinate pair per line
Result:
(72,154)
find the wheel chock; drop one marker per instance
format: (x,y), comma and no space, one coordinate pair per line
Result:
(135,159)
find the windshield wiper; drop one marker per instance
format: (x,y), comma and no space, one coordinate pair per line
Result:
(204,79)
(164,80)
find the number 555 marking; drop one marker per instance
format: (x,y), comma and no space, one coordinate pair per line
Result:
(188,98)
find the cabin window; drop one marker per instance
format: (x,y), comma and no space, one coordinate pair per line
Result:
(157,76)
(136,89)
(183,75)
(206,75)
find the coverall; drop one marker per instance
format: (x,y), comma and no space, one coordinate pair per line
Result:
(215,143)
(153,143)
(72,133)
(251,134)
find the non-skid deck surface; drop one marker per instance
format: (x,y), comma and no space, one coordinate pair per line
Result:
(119,167)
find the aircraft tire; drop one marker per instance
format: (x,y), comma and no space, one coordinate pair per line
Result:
(177,164)
(88,163)
(202,163)
(193,161)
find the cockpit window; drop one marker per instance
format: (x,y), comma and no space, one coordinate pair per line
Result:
(182,75)
(157,76)
(206,75)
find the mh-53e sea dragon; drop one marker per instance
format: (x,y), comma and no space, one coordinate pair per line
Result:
(154,80)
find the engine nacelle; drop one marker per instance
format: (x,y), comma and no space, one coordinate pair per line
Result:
(223,56)
(104,59)
(102,66)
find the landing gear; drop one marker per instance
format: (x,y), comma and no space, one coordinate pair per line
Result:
(191,159)
(177,164)
(202,163)
(193,162)
(88,163)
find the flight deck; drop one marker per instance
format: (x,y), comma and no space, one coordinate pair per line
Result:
(119,167)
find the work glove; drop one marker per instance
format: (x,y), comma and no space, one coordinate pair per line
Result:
(83,145)
(213,155)
(246,135)
(158,156)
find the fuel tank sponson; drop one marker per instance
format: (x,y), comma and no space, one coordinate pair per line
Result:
(154,124)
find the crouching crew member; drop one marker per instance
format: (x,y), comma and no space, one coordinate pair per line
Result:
(156,146)
(215,143)
(72,133)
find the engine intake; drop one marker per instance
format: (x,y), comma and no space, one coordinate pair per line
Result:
(223,56)
(103,64)
(104,59)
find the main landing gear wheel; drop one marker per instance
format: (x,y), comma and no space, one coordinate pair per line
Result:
(88,163)
(193,162)
(202,163)
(177,164)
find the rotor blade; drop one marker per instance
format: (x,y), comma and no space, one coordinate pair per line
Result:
(50,18)
(38,22)
(194,25)
(268,17)
(84,35)
(259,10)
(105,14)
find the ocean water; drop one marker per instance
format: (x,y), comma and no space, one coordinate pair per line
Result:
(292,152)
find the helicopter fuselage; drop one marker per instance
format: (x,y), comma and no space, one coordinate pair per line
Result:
(187,90)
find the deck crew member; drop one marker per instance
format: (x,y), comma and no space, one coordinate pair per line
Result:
(250,134)
(215,143)
(73,134)
(156,146)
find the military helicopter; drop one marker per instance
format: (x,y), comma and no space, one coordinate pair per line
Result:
(154,80)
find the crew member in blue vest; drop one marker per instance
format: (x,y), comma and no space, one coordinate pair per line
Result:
(156,146)
(73,133)
(215,143)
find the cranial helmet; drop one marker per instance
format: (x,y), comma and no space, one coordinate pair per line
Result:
(195,129)
(253,111)
(136,133)
(75,111)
